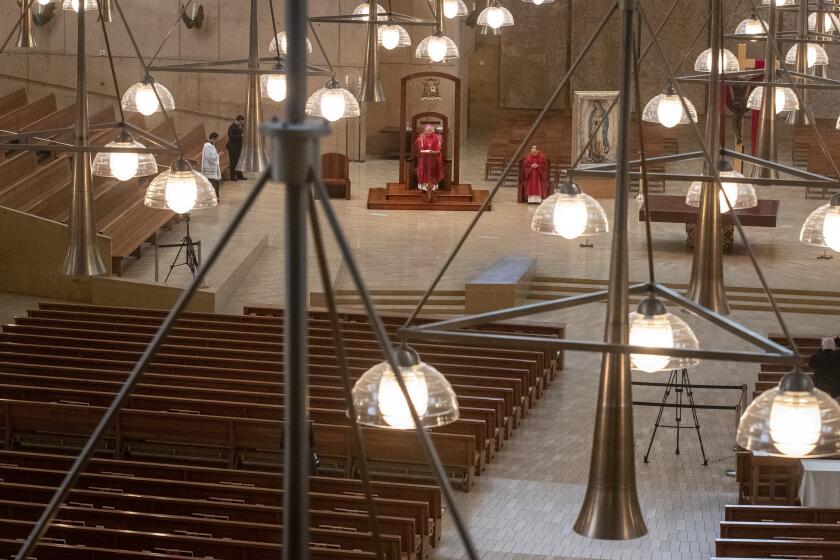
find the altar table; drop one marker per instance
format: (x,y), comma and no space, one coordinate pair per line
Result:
(820,485)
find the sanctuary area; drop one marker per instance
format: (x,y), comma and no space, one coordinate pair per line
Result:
(419,279)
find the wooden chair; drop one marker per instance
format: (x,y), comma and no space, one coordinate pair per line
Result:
(768,480)
(335,171)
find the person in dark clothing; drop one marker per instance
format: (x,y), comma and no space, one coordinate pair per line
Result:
(826,366)
(234,146)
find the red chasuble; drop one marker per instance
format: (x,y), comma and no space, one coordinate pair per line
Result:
(429,166)
(534,182)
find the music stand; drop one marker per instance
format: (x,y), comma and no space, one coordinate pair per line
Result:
(683,386)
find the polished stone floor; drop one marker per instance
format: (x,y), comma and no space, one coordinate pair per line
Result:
(524,506)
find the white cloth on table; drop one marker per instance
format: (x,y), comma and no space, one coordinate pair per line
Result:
(820,485)
(210,162)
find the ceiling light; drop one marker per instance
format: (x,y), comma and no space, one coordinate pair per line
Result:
(363,9)
(728,62)
(667,109)
(785,99)
(794,419)
(74,5)
(570,214)
(822,227)
(495,16)
(740,195)
(141,98)
(750,26)
(653,326)
(816,55)
(180,189)
(281,39)
(124,165)
(437,48)
(273,86)
(393,36)
(829,24)
(379,401)
(453,8)
(332,102)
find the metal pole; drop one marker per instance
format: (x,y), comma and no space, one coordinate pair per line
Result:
(800,116)
(765,147)
(611,506)
(81,257)
(26,34)
(706,285)
(290,162)
(253,158)
(372,86)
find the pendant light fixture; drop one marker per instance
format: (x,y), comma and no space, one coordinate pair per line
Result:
(728,62)
(181,190)
(380,402)
(816,55)
(570,213)
(73,5)
(538,2)
(280,39)
(393,36)
(124,165)
(495,16)
(332,102)
(452,8)
(740,195)
(437,48)
(829,22)
(667,109)
(750,26)
(778,2)
(273,86)
(785,99)
(363,9)
(141,98)
(794,419)
(653,326)
(822,227)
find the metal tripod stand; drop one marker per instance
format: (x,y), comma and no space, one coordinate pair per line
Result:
(186,246)
(678,387)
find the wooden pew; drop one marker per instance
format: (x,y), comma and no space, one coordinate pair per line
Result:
(775,530)
(18,118)
(777,548)
(782,514)
(16,167)
(12,100)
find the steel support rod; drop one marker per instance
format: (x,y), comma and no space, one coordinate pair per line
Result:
(765,144)
(706,285)
(611,507)
(800,116)
(289,157)
(90,447)
(253,158)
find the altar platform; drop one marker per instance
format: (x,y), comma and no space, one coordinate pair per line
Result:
(396,196)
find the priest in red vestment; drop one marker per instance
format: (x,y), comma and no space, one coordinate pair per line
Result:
(429,160)
(534,176)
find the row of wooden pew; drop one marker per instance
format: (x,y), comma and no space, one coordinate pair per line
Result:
(40,183)
(807,153)
(197,450)
(755,531)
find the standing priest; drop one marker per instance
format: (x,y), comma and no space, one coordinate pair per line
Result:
(234,146)
(429,161)
(534,172)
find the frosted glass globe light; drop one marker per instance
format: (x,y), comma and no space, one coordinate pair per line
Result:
(450,8)
(146,100)
(670,111)
(333,105)
(436,49)
(727,191)
(795,423)
(537,2)
(45,2)
(181,193)
(495,17)
(831,228)
(275,87)
(124,165)
(390,37)
(653,331)
(570,217)
(392,403)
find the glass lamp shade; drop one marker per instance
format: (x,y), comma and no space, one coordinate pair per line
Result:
(785,99)
(73,5)
(44,2)
(437,48)
(570,214)
(728,62)
(380,402)
(281,40)
(791,423)
(653,326)
(829,22)
(332,102)
(126,165)
(822,227)
(273,86)
(816,55)
(740,195)
(452,8)
(779,2)
(667,110)
(495,16)
(181,190)
(140,98)
(393,36)
(363,9)
(539,2)
(750,26)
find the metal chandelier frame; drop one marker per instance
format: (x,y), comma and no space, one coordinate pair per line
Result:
(611,507)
